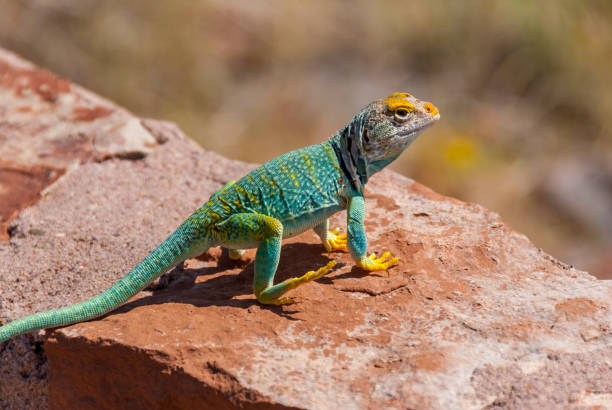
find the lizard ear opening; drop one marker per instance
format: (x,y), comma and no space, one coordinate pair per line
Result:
(364,137)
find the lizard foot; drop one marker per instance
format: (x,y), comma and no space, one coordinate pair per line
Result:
(371,263)
(335,241)
(265,297)
(312,275)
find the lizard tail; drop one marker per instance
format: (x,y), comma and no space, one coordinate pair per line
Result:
(178,247)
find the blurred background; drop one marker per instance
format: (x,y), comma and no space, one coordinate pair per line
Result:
(524,89)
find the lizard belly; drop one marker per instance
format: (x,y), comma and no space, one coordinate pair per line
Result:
(306,221)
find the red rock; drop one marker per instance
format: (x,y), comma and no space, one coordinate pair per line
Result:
(21,187)
(46,124)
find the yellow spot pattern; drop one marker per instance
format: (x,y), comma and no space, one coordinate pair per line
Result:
(306,158)
(253,199)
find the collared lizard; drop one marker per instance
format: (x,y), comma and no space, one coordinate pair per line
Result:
(286,196)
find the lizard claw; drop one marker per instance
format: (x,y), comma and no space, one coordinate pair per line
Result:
(372,263)
(292,284)
(313,275)
(335,241)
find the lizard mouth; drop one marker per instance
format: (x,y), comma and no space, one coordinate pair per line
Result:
(418,127)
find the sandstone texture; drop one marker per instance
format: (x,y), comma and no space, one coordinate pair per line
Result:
(474,316)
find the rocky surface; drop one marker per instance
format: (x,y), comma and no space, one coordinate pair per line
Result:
(51,128)
(474,316)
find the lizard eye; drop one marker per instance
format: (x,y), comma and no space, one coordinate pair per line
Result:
(401,114)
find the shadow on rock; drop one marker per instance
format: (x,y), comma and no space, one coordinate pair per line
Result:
(226,283)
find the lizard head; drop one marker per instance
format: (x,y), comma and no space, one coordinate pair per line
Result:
(381,131)
(393,123)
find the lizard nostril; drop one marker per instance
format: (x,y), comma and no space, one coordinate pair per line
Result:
(431,109)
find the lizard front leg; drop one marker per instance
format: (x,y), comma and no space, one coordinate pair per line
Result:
(247,229)
(332,240)
(357,242)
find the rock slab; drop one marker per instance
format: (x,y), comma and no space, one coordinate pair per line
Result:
(474,316)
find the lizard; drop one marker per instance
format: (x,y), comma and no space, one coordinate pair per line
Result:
(286,196)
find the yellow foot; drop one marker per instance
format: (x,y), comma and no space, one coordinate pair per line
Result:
(312,275)
(372,263)
(335,242)
(293,283)
(280,301)
(308,276)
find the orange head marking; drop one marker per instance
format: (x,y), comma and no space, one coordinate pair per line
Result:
(431,109)
(399,100)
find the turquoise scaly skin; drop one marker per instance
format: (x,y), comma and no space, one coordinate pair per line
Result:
(290,194)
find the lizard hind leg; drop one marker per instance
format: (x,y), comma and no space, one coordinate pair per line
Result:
(247,229)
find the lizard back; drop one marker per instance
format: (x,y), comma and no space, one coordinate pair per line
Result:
(300,188)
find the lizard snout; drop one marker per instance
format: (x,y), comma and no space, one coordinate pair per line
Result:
(431,110)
